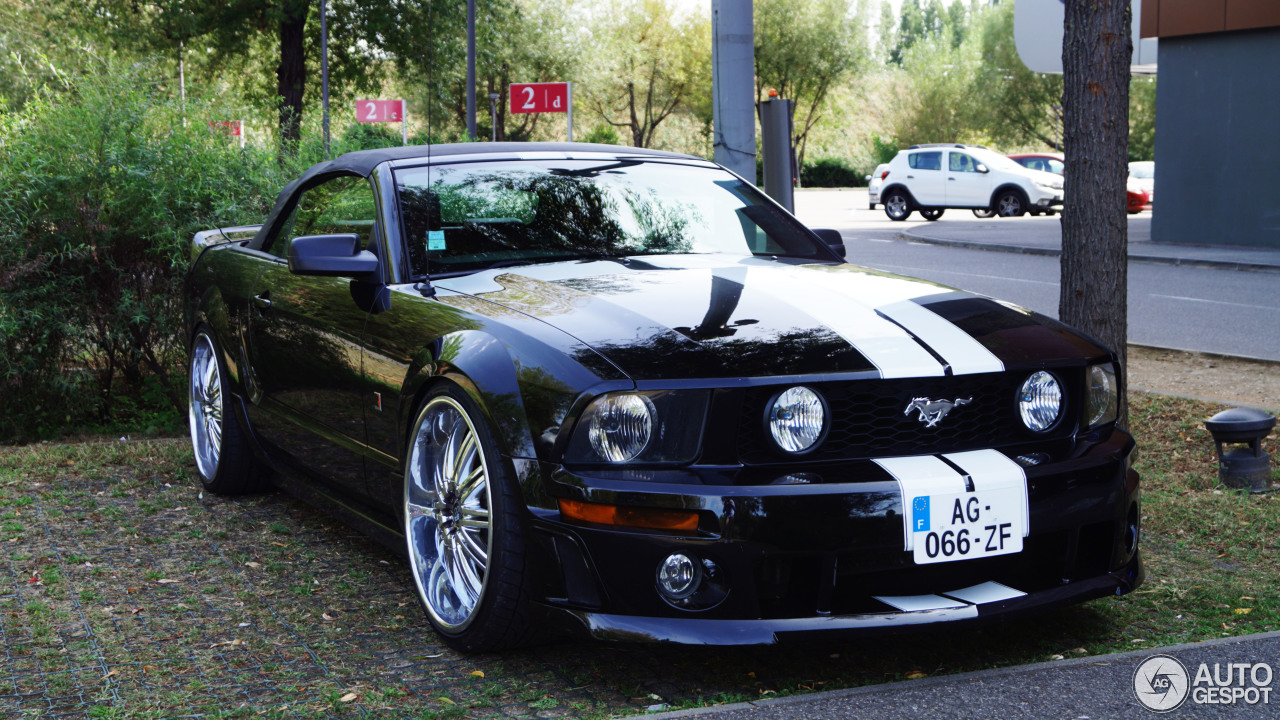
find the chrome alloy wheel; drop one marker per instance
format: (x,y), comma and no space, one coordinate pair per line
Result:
(204,413)
(447,521)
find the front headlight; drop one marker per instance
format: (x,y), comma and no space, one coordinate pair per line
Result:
(639,427)
(797,419)
(1040,401)
(1104,394)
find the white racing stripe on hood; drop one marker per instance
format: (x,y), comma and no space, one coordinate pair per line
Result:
(964,354)
(830,301)
(894,298)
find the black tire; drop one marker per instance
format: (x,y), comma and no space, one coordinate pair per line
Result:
(225,460)
(897,205)
(932,214)
(984,213)
(480,603)
(1010,203)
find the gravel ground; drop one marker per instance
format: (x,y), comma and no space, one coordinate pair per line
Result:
(1215,378)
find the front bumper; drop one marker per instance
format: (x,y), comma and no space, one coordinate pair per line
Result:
(819,556)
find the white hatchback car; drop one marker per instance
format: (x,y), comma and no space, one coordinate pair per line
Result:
(932,178)
(874,182)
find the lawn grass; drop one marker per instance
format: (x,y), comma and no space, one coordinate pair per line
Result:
(126,592)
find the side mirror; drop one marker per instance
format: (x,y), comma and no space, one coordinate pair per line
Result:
(832,239)
(867,178)
(331,255)
(981,168)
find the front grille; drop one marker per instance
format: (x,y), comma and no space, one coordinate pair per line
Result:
(868,418)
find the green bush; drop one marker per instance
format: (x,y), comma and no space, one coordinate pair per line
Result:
(830,172)
(603,134)
(102,185)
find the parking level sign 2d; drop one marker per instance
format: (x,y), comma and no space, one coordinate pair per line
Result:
(540,97)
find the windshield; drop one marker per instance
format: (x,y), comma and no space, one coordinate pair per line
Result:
(471,216)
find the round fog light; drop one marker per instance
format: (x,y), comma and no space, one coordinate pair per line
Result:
(679,576)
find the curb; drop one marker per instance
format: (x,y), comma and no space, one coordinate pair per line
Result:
(1206,353)
(959,677)
(1054,252)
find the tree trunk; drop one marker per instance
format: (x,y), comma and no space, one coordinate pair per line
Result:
(1096,51)
(291,73)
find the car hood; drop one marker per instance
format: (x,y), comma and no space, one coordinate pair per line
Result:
(709,316)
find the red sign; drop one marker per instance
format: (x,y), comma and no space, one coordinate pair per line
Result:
(539,97)
(228,127)
(378,111)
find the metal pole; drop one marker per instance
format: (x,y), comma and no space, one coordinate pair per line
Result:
(775,135)
(493,117)
(182,74)
(324,73)
(570,111)
(471,69)
(733,86)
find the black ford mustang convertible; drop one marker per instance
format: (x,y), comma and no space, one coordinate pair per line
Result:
(621,392)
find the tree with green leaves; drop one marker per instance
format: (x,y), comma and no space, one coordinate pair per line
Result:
(1016,105)
(1142,119)
(647,64)
(805,50)
(887,30)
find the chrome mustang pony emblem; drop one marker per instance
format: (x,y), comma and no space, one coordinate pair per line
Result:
(932,411)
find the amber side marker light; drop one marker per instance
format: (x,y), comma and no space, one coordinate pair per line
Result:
(602,514)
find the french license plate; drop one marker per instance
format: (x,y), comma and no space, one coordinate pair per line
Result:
(964,526)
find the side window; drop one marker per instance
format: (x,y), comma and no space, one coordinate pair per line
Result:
(338,206)
(925,160)
(1055,167)
(960,162)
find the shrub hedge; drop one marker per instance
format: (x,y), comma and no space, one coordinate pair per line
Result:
(102,184)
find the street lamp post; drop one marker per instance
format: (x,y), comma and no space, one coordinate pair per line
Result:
(493,117)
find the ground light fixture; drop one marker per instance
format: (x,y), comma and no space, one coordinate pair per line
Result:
(1242,468)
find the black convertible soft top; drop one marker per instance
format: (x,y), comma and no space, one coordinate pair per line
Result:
(363,162)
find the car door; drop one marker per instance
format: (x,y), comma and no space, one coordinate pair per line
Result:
(966,187)
(304,344)
(925,177)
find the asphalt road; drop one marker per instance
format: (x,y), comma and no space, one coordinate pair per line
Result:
(1084,689)
(1230,312)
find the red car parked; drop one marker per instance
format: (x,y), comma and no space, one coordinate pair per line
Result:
(1136,199)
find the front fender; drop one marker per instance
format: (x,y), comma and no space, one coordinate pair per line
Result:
(524,391)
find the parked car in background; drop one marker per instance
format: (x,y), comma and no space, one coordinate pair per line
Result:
(1043,162)
(1137,198)
(622,393)
(874,182)
(1143,174)
(933,178)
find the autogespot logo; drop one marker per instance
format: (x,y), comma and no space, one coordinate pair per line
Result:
(1161,683)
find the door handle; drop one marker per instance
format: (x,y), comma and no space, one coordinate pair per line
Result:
(951,179)
(911,177)
(262,301)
